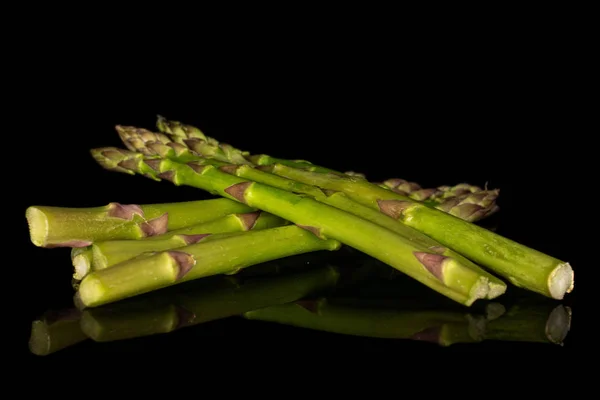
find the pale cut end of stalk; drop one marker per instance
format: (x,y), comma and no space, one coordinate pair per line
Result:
(558,324)
(561,281)
(82,266)
(38,225)
(90,293)
(37,222)
(495,290)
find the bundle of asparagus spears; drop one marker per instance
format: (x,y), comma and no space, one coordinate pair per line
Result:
(267,208)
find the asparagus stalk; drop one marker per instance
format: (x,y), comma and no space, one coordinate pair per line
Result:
(445,275)
(471,206)
(215,257)
(524,267)
(144,138)
(439,326)
(207,300)
(337,199)
(55,331)
(80,227)
(109,253)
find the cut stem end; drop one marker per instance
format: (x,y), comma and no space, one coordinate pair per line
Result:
(561,281)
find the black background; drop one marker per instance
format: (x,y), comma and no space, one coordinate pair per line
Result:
(506,112)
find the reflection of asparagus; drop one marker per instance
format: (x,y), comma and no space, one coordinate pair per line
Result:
(146,273)
(202,301)
(55,331)
(446,275)
(439,326)
(543,323)
(80,227)
(109,253)
(389,318)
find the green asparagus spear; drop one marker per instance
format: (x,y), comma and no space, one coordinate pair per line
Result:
(444,274)
(80,227)
(220,256)
(109,253)
(524,267)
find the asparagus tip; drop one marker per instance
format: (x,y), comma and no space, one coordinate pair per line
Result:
(184,261)
(423,194)
(156,226)
(561,281)
(230,168)
(432,262)
(124,211)
(167,175)
(154,164)
(558,324)
(129,164)
(238,190)
(190,143)
(196,166)
(249,219)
